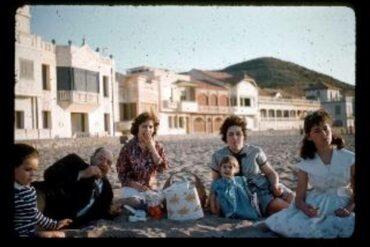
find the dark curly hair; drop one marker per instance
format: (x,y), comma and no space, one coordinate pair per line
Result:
(21,152)
(308,148)
(143,117)
(232,120)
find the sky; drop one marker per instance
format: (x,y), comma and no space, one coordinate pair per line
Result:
(181,38)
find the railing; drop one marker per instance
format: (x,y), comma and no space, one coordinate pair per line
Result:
(170,104)
(288,101)
(188,106)
(215,109)
(31,134)
(79,97)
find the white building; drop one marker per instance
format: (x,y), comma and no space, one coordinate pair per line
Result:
(339,105)
(61,91)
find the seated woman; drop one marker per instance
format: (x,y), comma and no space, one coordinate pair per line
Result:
(326,211)
(261,177)
(140,159)
(230,195)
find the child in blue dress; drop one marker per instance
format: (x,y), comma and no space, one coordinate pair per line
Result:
(230,195)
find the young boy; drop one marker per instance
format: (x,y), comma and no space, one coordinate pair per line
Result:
(26,215)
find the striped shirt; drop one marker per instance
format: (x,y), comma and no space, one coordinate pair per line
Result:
(26,214)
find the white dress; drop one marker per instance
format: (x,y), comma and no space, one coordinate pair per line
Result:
(330,192)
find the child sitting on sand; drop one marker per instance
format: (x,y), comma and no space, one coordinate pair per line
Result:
(26,215)
(230,195)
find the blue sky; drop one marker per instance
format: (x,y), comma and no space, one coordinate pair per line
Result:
(180,38)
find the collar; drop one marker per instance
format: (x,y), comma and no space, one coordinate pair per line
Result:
(19,186)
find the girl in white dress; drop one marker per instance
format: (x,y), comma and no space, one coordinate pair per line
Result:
(326,211)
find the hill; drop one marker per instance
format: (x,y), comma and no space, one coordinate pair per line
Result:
(270,72)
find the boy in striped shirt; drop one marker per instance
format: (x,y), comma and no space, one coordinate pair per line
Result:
(26,214)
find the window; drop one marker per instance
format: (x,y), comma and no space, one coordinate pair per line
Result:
(183,95)
(170,122)
(245,102)
(26,68)
(19,119)
(46,120)
(233,101)
(176,122)
(127,111)
(181,122)
(106,122)
(105,86)
(337,110)
(45,77)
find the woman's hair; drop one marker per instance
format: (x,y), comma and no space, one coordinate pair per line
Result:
(21,152)
(308,148)
(230,159)
(142,118)
(232,120)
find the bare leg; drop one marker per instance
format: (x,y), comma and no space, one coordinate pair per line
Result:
(276,205)
(51,234)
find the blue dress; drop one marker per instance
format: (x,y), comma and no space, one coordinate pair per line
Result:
(235,198)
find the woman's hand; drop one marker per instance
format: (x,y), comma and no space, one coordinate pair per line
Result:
(147,140)
(115,209)
(342,212)
(310,211)
(63,223)
(277,190)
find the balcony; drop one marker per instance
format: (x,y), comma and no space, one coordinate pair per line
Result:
(215,109)
(78,101)
(168,104)
(188,106)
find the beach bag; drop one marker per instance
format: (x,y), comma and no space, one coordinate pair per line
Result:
(182,199)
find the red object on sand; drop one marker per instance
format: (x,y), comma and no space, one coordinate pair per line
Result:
(155,212)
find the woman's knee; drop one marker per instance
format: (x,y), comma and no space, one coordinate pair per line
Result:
(276,205)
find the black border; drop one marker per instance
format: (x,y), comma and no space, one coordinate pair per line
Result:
(362,13)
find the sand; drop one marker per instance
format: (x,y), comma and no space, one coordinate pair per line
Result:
(186,153)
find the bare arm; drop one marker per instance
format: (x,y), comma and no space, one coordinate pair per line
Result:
(273,177)
(215,207)
(271,174)
(215,175)
(301,195)
(343,212)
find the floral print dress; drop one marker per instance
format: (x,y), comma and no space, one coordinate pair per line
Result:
(136,165)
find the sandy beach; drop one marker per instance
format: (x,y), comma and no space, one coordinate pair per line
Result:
(185,153)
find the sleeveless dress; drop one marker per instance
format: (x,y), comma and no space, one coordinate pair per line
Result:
(330,192)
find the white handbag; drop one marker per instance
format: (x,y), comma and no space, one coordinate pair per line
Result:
(182,202)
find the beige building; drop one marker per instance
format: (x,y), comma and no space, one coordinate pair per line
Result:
(61,91)
(199,101)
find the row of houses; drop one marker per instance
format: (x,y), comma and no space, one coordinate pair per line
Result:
(64,91)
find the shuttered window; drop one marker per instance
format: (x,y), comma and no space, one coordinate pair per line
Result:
(26,68)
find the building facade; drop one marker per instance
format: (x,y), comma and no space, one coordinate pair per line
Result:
(61,91)
(340,105)
(199,101)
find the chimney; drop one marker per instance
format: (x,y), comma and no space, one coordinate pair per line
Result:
(69,42)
